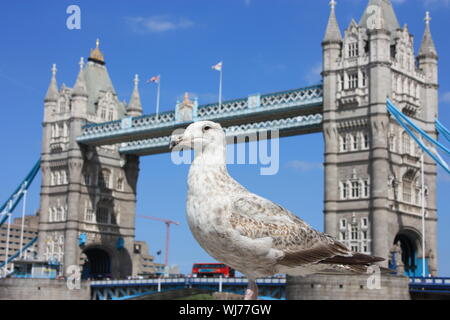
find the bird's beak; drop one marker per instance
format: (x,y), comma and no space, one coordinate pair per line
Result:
(175,140)
(179,140)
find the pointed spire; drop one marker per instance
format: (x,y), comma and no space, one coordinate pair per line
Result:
(80,88)
(135,106)
(333,33)
(52,92)
(427,48)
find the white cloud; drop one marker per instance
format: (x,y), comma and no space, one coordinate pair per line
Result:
(313,76)
(158,24)
(304,166)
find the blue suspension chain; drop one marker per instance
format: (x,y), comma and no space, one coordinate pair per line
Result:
(401,118)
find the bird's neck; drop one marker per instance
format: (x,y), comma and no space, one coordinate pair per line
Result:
(210,158)
(208,166)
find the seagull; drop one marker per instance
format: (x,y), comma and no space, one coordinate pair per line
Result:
(249,233)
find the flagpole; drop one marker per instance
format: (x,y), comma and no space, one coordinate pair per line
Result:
(158,96)
(423,213)
(220,88)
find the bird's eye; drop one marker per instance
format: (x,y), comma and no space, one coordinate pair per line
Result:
(206,128)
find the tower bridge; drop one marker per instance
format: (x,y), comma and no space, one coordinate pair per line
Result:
(92,143)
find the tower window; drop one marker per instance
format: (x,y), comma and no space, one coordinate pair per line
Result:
(353,49)
(355,142)
(364,79)
(120,184)
(406,143)
(103,113)
(345,191)
(365,137)
(111,115)
(353,80)
(355,189)
(354,233)
(344,145)
(343,224)
(102,215)
(366,188)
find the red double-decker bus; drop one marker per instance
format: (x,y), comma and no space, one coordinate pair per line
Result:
(204,270)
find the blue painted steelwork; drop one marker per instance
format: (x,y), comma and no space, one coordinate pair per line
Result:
(401,118)
(19,253)
(438,284)
(312,123)
(270,288)
(443,130)
(155,130)
(8,207)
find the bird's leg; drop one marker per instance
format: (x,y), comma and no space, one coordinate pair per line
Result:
(252,290)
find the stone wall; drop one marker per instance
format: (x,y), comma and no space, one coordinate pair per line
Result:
(41,289)
(345,287)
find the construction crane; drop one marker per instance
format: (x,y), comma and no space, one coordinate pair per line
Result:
(168,223)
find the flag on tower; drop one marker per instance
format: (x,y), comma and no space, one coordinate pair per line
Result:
(157,80)
(218,66)
(154,79)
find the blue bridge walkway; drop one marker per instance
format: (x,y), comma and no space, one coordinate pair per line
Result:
(270,288)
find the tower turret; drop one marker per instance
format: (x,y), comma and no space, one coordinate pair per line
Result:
(331,48)
(52,92)
(428,57)
(135,106)
(333,32)
(51,98)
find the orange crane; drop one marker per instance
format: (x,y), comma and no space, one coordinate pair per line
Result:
(168,223)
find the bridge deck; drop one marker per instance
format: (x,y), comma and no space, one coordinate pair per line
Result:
(290,112)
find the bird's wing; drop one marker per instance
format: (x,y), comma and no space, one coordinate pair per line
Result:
(255,217)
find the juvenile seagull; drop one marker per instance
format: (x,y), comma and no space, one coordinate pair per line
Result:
(245,231)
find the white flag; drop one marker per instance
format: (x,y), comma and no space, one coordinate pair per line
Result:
(218,66)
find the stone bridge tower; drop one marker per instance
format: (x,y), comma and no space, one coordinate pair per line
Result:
(88,194)
(372,167)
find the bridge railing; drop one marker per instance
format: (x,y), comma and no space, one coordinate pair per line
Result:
(186,281)
(254,104)
(438,281)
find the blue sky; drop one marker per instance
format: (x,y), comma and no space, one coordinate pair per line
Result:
(266,46)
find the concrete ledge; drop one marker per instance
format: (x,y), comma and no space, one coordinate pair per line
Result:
(41,289)
(346,287)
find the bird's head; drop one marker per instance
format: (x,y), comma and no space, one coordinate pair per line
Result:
(200,136)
